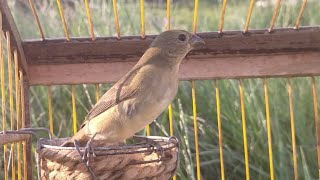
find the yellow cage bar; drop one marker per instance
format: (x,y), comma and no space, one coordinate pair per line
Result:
(74,111)
(304,2)
(89,20)
(142,23)
(11,105)
(195,16)
(266,97)
(35,14)
(195,129)
(275,15)
(3,99)
(168,14)
(293,132)
(246,26)
(63,21)
(50,109)
(18,111)
(244,130)
(223,10)
(219,129)
(316,119)
(116,18)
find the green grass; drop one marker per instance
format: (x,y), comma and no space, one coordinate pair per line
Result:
(208,20)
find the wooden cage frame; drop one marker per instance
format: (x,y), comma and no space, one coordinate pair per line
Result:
(230,54)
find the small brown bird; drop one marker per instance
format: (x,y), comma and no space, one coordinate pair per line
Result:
(141,95)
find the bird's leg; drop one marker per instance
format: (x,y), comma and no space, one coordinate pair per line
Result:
(89,150)
(154,144)
(77,146)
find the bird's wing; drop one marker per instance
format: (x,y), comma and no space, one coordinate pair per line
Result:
(121,91)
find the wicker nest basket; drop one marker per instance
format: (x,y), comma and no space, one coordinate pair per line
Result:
(136,161)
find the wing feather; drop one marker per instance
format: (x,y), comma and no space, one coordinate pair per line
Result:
(121,91)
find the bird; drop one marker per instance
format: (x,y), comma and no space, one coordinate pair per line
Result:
(141,95)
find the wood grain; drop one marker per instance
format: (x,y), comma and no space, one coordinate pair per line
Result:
(258,53)
(13,138)
(130,49)
(292,64)
(16,42)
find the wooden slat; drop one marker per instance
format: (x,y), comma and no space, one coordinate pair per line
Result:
(102,50)
(12,138)
(9,25)
(305,63)
(283,52)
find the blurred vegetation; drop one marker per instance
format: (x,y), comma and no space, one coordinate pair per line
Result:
(208,20)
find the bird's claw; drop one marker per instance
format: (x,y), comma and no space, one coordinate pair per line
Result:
(88,151)
(156,146)
(86,155)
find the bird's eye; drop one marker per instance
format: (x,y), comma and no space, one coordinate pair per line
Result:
(182,37)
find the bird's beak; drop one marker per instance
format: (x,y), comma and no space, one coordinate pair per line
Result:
(196,42)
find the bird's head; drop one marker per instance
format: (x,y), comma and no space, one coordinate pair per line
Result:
(175,44)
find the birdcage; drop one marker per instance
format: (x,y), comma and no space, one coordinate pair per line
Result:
(258,64)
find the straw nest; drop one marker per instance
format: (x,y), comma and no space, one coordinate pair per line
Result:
(136,161)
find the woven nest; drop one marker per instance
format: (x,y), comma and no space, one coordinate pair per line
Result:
(136,161)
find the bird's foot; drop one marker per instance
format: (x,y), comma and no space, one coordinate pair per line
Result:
(88,151)
(156,146)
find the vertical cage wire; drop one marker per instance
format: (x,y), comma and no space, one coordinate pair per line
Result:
(35,15)
(116,18)
(23,113)
(25,169)
(168,14)
(5,162)
(50,109)
(9,55)
(219,129)
(274,16)
(142,23)
(293,133)
(18,115)
(74,110)
(89,20)
(17,88)
(148,130)
(170,119)
(304,2)
(3,98)
(97,89)
(196,141)
(195,16)
(19,160)
(244,130)
(266,97)
(23,120)
(246,27)
(63,20)
(3,105)
(316,120)
(223,10)
(171,127)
